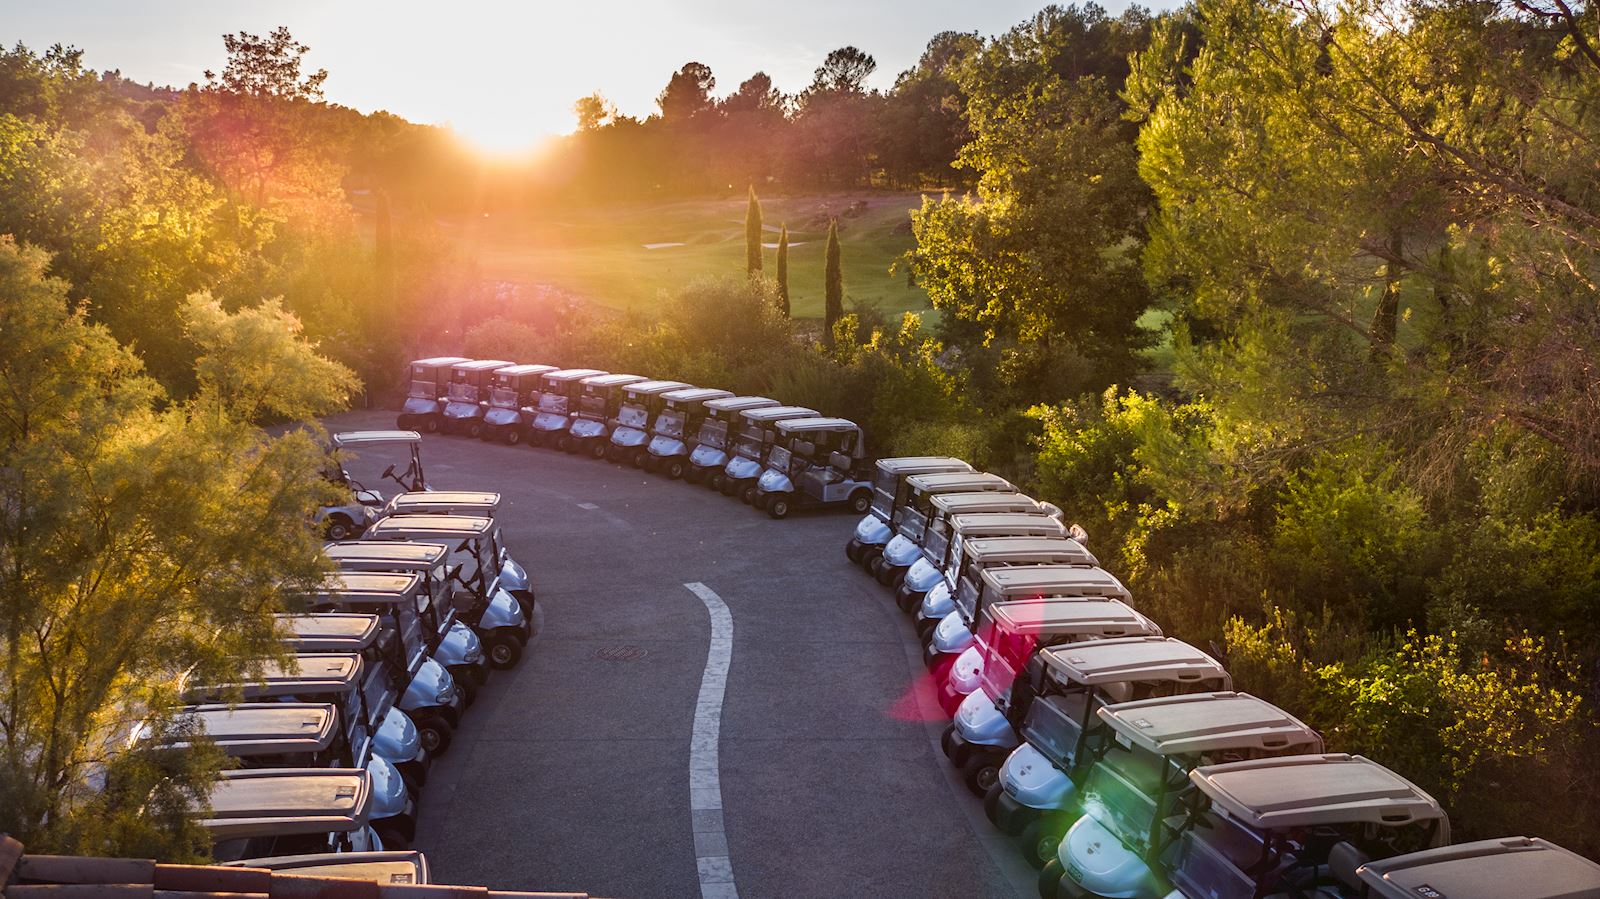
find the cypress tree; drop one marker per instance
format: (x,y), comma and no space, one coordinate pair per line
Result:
(833,284)
(752,236)
(783,270)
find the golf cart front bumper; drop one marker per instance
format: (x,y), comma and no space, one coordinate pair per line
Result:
(922,575)
(774,482)
(979,723)
(742,469)
(1030,781)
(462,411)
(936,604)
(587,428)
(628,437)
(501,417)
(703,456)
(420,405)
(549,421)
(872,531)
(667,447)
(952,637)
(901,552)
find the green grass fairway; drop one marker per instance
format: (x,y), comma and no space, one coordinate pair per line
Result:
(604,255)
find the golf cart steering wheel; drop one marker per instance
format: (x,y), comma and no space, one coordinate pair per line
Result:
(389,473)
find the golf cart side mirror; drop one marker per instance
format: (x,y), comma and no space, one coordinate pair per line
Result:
(1077,533)
(1052,510)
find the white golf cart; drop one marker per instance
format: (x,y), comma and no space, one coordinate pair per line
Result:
(349,520)
(1525,867)
(599,398)
(915,521)
(285,811)
(939,533)
(467,395)
(513,576)
(558,400)
(1010,634)
(889,494)
(713,441)
(427,384)
(1298,825)
(953,635)
(405,866)
(979,554)
(814,462)
(641,402)
(513,396)
(757,434)
(935,577)
(681,416)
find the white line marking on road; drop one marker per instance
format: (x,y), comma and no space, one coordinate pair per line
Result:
(705,784)
(589,506)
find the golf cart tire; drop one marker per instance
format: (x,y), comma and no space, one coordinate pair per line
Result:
(947,742)
(641,459)
(675,469)
(468,688)
(981,771)
(715,480)
(694,475)
(778,507)
(949,699)
(340,527)
(1041,838)
(504,650)
(431,424)
(884,572)
(561,443)
(600,450)
(925,627)
(906,599)
(475,428)
(853,550)
(511,435)
(1050,880)
(748,494)
(435,733)
(403,422)
(861,501)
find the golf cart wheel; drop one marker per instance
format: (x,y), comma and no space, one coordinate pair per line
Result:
(748,495)
(468,688)
(391,837)
(981,772)
(474,428)
(403,422)
(1050,880)
(991,805)
(947,741)
(675,470)
(641,459)
(435,733)
(431,424)
(504,650)
(949,699)
(562,442)
(852,551)
(860,501)
(600,450)
(1040,840)
(884,573)
(897,576)
(715,480)
(339,527)
(489,433)
(925,627)
(512,435)
(778,506)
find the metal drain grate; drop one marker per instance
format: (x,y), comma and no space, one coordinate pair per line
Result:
(622,653)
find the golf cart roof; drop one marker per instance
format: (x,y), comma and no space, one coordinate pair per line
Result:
(399,553)
(995,501)
(910,465)
(307,673)
(1100,618)
(374,438)
(444,502)
(774,413)
(441,360)
(1312,790)
(390,866)
(739,403)
(330,631)
(272,801)
(1197,723)
(267,728)
(605,380)
(1008,524)
(651,388)
(515,371)
(695,394)
(1526,867)
(1040,581)
(791,425)
(445,526)
(365,584)
(1133,659)
(961,482)
(1052,550)
(481,364)
(572,374)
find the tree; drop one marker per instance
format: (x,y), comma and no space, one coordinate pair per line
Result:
(687,94)
(832,284)
(593,112)
(142,541)
(783,270)
(752,236)
(267,68)
(845,71)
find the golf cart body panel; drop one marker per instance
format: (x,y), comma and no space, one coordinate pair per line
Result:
(383,867)
(362,509)
(641,402)
(428,382)
(513,395)
(558,397)
(757,429)
(926,574)
(680,419)
(599,398)
(256,729)
(1525,867)
(713,441)
(468,392)
(1312,790)
(889,491)
(1196,724)
(443,502)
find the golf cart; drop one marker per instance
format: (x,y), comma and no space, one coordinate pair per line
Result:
(889,494)
(599,399)
(427,384)
(978,554)
(712,444)
(308,735)
(473,567)
(513,577)
(681,415)
(428,612)
(815,462)
(915,591)
(630,431)
(349,520)
(978,695)
(757,434)
(1053,715)
(913,518)
(467,395)
(284,811)
(558,397)
(382,867)
(1525,867)
(953,635)
(931,532)
(1298,825)
(513,395)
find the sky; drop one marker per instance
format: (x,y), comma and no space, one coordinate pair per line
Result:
(503,73)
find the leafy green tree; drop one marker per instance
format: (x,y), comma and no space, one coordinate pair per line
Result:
(832,284)
(143,541)
(752,236)
(687,94)
(593,112)
(783,270)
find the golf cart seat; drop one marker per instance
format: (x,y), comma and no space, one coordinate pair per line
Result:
(1344,859)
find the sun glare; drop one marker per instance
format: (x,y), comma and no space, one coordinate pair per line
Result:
(501,133)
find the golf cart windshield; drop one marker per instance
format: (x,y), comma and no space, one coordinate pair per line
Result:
(1121,792)
(670,424)
(502,397)
(1210,860)
(1005,651)
(751,438)
(423,389)
(553,402)
(1054,725)
(462,393)
(883,489)
(593,404)
(937,541)
(713,433)
(778,459)
(633,416)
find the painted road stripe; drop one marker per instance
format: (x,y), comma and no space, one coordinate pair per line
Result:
(705,785)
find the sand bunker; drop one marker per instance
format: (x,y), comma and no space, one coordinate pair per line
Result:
(660,246)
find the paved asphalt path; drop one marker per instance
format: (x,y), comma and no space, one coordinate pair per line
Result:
(572,770)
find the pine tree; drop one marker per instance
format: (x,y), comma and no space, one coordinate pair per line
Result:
(752,236)
(833,285)
(783,270)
